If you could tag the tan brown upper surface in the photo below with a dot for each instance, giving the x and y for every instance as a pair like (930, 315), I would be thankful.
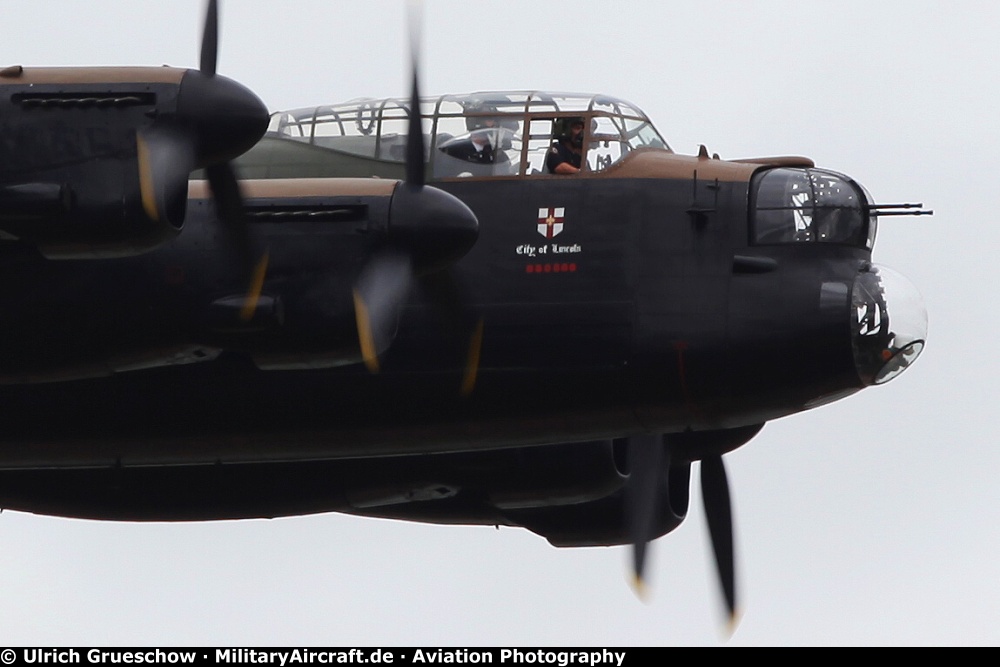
(90, 75)
(661, 164)
(304, 187)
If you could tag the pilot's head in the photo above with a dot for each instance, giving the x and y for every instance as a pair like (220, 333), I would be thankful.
(478, 122)
(573, 131)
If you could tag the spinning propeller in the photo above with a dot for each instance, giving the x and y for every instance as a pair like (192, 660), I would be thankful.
(718, 513)
(215, 121)
(429, 230)
(649, 458)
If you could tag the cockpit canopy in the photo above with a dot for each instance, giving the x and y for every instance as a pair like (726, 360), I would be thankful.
(487, 134)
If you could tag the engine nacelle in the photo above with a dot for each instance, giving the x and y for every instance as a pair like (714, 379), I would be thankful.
(94, 214)
(571, 494)
(70, 176)
(602, 522)
(94, 162)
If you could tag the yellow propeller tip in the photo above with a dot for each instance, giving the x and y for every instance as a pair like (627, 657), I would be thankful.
(365, 338)
(147, 188)
(472, 362)
(733, 623)
(640, 588)
(256, 287)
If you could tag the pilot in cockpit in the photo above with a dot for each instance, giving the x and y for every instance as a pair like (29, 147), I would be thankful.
(477, 145)
(486, 140)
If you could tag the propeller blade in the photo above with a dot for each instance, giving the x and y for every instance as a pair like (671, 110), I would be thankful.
(228, 200)
(225, 118)
(415, 170)
(718, 511)
(472, 361)
(378, 296)
(166, 158)
(229, 208)
(429, 230)
(255, 288)
(210, 39)
(645, 462)
(445, 293)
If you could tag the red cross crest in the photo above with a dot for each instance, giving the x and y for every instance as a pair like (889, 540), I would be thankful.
(550, 221)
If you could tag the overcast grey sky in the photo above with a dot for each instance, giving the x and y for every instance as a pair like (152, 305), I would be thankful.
(870, 521)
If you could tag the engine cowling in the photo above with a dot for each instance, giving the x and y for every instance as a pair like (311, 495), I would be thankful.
(601, 522)
(572, 494)
(94, 162)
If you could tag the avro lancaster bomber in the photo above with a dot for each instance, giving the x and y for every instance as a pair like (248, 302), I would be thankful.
(501, 308)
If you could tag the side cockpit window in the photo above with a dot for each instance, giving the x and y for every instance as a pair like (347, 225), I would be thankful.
(583, 143)
(808, 206)
(482, 141)
(616, 129)
(607, 145)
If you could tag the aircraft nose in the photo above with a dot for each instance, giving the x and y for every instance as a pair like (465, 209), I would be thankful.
(888, 324)
(227, 117)
(433, 226)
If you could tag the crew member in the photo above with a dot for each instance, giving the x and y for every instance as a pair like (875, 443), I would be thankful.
(566, 155)
(474, 147)
(484, 142)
